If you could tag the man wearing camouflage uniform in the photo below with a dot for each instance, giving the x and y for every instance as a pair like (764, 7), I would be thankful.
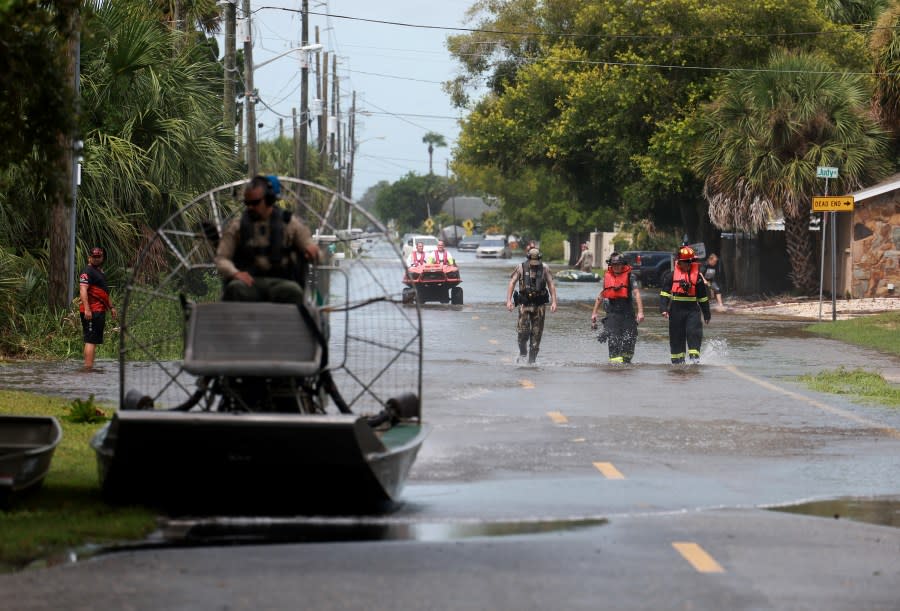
(535, 290)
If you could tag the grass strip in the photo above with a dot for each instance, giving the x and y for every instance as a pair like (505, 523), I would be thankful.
(878, 331)
(67, 511)
(859, 384)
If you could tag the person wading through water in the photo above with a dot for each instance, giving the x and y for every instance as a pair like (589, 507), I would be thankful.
(535, 290)
(618, 297)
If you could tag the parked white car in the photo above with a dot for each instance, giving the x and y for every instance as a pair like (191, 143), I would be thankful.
(429, 242)
(493, 247)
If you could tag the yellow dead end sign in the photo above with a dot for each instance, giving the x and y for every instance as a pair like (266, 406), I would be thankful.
(832, 203)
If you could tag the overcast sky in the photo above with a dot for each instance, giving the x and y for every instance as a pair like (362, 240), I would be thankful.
(395, 70)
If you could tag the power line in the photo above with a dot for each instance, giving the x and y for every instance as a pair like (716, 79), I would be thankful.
(403, 24)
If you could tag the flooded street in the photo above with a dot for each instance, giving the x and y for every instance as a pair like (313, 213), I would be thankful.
(567, 484)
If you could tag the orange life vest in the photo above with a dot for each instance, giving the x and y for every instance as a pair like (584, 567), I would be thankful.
(690, 278)
(418, 258)
(615, 286)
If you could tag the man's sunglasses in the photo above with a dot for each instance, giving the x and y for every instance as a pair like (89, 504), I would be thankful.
(254, 202)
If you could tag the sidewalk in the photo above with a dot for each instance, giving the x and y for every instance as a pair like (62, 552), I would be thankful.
(808, 309)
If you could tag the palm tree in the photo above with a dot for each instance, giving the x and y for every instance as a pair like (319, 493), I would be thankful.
(766, 133)
(433, 139)
(885, 48)
(152, 127)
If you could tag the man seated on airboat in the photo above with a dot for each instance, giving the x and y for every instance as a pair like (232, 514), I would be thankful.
(260, 254)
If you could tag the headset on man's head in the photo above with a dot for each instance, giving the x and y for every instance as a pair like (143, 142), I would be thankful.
(266, 184)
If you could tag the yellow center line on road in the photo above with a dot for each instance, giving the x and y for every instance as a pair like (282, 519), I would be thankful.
(889, 431)
(697, 556)
(494, 341)
(527, 384)
(608, 470)
(557, 417)
(476, 317)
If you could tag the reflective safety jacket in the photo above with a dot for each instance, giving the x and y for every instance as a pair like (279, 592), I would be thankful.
(684, 290)
(442, 257)
(616, 286)
(417, 258)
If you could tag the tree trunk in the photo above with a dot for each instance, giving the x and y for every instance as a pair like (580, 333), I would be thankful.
(62, 211)
(801, 253)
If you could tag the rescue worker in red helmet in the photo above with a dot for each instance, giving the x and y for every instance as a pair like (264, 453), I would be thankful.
(682, 299)
(619, 295)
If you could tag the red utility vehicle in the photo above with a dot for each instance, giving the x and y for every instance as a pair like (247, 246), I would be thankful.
(432, 282)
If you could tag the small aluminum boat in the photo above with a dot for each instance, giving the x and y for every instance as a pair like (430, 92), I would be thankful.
(27, 444)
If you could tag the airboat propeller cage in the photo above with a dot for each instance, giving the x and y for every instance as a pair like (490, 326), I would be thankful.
(176, 331)
(230, 406)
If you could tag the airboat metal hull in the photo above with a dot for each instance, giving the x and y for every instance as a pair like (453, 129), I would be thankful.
(27, 444)
(253, 464)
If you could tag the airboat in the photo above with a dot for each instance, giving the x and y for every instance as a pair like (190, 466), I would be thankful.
(262, 408)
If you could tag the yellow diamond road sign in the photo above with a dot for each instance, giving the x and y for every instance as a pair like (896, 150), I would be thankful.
(429, 224)
(833, 203)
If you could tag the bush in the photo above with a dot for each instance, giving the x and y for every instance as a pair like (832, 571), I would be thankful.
(552, 245)
(85, 412)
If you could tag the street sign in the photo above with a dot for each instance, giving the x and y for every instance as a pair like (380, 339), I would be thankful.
(826, 172)
(832, 203)
(429, 225)
(469, 225)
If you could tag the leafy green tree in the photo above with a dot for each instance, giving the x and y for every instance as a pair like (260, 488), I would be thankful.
(766, 133)
(367, 201)
(412, 199)
(37, 79)
(152, 127)
(850, 12)
(884, 45)
(602, 94)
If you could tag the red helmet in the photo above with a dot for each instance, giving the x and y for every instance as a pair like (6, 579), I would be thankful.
(686, 253)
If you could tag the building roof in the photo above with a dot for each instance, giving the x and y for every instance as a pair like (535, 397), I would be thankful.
(892, 183)
(467, 207)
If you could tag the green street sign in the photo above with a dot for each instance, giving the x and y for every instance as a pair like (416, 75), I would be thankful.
(826, 172)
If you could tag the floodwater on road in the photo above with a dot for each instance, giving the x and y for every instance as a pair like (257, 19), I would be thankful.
(483, 332)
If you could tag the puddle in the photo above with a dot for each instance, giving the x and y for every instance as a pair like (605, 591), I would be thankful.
(333, 530)
(884, 511)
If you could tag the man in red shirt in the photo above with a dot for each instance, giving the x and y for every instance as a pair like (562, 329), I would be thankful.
(94, 304)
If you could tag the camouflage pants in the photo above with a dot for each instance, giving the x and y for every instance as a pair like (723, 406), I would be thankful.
(530, 328)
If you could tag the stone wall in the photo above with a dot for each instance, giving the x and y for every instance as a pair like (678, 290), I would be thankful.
(875, 246)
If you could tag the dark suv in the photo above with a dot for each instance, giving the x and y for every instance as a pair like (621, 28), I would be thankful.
(649, 265)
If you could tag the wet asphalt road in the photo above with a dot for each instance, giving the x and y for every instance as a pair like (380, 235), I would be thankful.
(566, 485)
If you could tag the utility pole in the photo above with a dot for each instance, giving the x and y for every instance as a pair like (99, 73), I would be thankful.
(249, 93)
(323, 128)
(336, 113)
(352, 144)
(230, 68)
(304, 93)
(295, 142)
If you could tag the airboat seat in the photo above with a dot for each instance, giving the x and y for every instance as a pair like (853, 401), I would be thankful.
(251, 339)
